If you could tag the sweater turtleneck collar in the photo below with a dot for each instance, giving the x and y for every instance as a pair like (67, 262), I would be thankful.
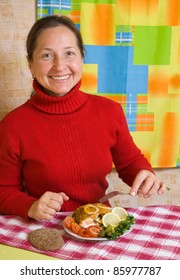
(68, 103)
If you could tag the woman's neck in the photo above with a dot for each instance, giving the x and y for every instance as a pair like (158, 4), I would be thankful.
(66, 104)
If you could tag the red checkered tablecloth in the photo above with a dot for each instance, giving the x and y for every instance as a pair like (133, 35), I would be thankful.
(155, 236)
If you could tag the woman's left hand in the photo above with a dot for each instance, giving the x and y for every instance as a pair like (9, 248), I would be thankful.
(146, 184)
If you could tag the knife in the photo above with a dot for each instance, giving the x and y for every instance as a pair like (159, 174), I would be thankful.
(110, 195)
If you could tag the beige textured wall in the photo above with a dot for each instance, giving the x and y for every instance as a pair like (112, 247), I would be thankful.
(16, 18)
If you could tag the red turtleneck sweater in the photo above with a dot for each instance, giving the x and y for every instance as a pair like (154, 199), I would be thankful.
(64, 144)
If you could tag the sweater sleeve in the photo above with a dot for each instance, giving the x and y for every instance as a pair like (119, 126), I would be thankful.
(13, 199)
(127, 157)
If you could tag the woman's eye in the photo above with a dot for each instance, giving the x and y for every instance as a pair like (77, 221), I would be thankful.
(70, 53)
(47, 56)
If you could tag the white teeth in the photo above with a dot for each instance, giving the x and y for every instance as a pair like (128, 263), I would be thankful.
(60, 77)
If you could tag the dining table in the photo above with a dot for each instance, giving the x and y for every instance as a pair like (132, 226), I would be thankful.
(155, 235)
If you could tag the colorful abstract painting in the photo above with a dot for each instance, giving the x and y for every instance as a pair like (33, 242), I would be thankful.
(133, 57)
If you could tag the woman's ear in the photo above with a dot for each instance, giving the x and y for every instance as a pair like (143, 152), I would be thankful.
(30, 67)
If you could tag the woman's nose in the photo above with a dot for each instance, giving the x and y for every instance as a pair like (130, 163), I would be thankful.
(59, 63)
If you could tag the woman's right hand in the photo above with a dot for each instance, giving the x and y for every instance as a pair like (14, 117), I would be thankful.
(47, 205)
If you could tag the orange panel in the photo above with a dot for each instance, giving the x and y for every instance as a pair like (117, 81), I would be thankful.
(158, 83)
(103, 25)
(75, 16)
(89, 80)
(174, 81)
(142, 99)
(173, 11)
(168, 141)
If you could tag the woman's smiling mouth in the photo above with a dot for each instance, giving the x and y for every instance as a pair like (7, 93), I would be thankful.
(60, 77)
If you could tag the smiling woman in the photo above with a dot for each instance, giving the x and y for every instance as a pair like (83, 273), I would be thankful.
(60, 145)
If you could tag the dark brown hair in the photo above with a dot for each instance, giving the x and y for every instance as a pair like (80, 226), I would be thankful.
(48, 22)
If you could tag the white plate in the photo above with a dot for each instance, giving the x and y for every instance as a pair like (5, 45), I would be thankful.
(92, 238)
(84, 238)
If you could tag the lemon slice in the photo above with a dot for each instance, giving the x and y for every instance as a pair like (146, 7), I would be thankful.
(110, 219)
(90, 209)
(120, 212)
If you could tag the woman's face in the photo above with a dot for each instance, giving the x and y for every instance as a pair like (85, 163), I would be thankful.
(57, 61)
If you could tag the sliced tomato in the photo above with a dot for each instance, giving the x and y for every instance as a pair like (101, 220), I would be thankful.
(83, 233)
(75, 227)
(68, 221)
(93, 231)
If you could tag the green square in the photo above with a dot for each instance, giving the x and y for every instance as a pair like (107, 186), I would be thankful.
(75, 5)
(152, 45)
(61, 12)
